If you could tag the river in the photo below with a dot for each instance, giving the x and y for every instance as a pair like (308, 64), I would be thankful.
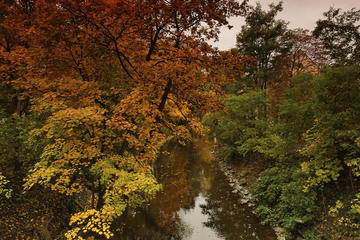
(196, 202)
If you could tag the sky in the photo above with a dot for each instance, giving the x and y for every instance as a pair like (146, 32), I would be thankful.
(299, 14)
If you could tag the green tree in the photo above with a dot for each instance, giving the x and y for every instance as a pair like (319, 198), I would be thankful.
(265, 38)
(17, 153)
(295, 117)
(330, 144)
(339, 33)
(243, 125)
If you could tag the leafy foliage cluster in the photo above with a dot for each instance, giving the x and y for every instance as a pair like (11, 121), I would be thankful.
(243, 126)
(281, 199)
(345, 215)
(4, 191)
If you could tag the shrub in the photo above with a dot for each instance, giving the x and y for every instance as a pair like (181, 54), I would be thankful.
(281, 199)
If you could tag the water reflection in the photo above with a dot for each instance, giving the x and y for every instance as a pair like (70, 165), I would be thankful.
(196, 203)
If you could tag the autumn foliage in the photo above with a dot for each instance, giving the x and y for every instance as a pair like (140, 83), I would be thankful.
(114, 79)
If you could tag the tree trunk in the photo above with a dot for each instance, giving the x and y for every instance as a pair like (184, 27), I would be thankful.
(165, 95)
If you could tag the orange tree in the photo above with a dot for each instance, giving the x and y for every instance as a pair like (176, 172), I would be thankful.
(115, 78)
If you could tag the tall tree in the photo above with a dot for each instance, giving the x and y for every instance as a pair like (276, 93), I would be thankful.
(265, 38)
(339, 32)
(114, 77)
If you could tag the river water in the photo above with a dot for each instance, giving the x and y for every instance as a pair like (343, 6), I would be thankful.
(196, 202)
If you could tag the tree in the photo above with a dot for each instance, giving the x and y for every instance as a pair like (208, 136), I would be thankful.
(114, 78)
(266, 39)
(339, 33)
(242, 126)
(307, 53)
(330, 144)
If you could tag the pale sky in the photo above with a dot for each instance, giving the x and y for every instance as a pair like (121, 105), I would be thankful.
(299, 14)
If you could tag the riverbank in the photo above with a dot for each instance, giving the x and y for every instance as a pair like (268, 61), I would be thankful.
(242, 182)
(242, 177)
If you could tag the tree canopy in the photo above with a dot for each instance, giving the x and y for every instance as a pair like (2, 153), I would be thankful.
(265, 38)
(112, 79)
(339, 32)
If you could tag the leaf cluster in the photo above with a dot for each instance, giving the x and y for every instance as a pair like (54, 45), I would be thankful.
(281, 199)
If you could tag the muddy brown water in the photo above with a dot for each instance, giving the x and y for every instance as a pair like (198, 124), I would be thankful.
(196, 202)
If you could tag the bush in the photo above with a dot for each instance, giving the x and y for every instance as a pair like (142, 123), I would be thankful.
(281, 199)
